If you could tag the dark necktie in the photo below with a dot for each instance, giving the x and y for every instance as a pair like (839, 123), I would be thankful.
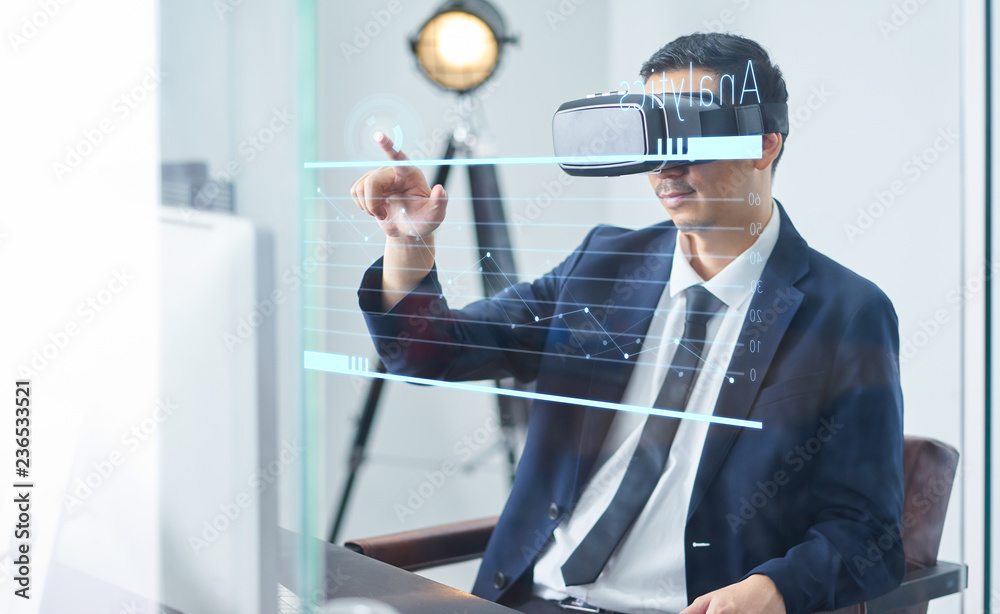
(650, 456)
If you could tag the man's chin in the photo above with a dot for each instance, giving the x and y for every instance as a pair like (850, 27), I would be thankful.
(687, 223)
(692, 228)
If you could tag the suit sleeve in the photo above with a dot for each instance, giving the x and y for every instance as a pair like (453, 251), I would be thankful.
(421, 336)
(853, 551)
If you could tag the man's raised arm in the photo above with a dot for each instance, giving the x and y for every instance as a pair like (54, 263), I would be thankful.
(408, 211)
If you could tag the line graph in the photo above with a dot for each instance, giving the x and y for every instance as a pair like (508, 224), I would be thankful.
(587, 333)
(575, 318)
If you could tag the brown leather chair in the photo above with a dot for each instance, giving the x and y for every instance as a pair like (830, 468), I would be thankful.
(929, 468)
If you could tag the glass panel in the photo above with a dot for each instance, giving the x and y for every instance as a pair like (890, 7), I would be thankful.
(871, 178)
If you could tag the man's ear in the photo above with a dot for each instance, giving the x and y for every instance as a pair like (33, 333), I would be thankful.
(771, 145)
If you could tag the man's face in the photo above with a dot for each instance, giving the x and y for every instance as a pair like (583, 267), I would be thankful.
(702, 196)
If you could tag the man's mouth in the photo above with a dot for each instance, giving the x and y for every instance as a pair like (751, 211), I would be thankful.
(674, 196)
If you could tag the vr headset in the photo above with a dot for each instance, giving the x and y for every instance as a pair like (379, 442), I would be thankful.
(616, 133)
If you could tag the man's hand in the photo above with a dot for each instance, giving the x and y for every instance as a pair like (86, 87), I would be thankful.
(754, 595)
(408, 211)
(399, 197)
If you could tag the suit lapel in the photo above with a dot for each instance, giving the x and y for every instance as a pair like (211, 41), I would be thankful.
(776, 304)
(633, 293)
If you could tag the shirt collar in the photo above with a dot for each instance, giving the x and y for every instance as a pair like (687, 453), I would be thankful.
(731, 285)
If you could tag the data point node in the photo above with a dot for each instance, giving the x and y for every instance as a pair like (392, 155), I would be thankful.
(512, 326)
(366, 238)
(586, 310)
(536, 318)
(588, 355)
(403, 211)
(450, 282)
(559, 316)
(319, 190)
(605, 342)
(488, 255)
(638, 341)
(732, 380)
(480, 269)
(626, 356)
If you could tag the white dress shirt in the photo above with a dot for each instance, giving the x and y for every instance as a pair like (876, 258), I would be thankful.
(646, 572)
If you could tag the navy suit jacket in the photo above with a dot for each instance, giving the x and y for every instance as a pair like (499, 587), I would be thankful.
(813, 500)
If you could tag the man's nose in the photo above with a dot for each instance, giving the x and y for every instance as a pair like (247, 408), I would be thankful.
(675, 172)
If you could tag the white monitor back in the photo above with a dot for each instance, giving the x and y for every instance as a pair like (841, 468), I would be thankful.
(216, 504)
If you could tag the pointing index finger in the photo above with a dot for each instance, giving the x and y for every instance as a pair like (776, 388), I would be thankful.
(388, 147)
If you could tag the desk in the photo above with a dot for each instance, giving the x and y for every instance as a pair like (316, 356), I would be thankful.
(354, 575)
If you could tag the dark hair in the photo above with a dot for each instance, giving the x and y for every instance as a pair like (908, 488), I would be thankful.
(722, 54)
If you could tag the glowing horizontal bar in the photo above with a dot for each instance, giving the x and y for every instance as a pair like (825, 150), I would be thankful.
(700, 148)
(354, 365)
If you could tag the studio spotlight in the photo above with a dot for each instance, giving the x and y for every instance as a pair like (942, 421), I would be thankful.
(460, 46)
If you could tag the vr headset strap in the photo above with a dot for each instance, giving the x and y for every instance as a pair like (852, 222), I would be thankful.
(746, 119)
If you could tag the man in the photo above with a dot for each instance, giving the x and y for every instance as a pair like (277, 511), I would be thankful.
(792, 517)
